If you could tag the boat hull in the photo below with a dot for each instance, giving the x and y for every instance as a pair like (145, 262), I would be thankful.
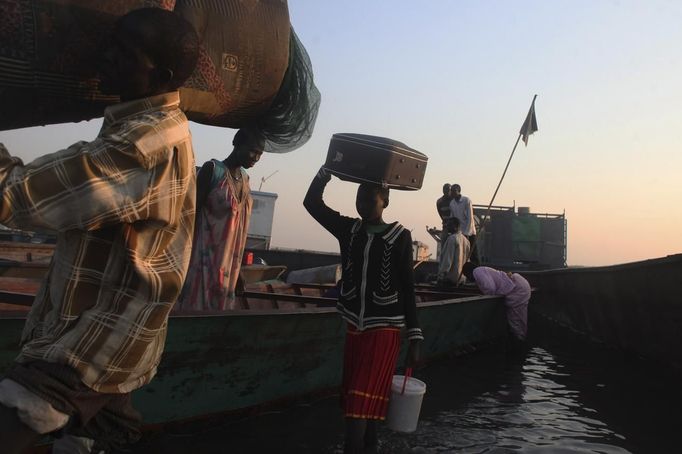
(635, 307)
(235, 362)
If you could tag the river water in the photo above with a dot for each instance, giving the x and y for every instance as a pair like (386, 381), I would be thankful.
(564, 395)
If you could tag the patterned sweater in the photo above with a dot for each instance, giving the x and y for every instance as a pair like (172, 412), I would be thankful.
(377, 278)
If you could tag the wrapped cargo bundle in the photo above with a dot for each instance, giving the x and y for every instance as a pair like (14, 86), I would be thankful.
(251, 69)
(362, 158)
(47, 53)
(289, 121)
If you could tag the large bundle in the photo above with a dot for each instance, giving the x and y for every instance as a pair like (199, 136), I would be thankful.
(246, 71)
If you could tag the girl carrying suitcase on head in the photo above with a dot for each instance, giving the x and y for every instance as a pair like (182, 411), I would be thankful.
(376, 300)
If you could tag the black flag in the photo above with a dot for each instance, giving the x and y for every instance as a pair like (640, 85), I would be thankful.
(530, 125)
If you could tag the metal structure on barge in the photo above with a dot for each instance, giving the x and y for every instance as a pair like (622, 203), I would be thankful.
(516, 238)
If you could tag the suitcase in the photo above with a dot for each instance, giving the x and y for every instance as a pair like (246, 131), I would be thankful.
(362, 158)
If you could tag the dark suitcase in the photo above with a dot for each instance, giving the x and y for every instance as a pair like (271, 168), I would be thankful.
(361, 158)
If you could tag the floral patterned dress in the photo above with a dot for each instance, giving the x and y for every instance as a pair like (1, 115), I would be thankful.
(218, 246)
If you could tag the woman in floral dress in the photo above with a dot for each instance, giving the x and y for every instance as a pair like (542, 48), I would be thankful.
(222, 222)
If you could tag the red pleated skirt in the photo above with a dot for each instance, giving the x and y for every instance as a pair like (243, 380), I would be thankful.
(368, 366)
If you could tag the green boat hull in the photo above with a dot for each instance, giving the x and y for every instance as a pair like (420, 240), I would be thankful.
(215, 364)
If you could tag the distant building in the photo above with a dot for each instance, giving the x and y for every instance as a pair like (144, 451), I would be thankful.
(262, 215)
(420, 251)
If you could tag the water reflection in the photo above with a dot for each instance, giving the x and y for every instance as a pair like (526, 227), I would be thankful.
(528, 411)
(559, 397)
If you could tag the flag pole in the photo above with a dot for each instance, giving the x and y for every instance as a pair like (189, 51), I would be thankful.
(487, 213)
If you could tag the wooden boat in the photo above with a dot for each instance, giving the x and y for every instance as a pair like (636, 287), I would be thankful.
(286, 343)
(31, 260)
(636, 307)
(24, 259)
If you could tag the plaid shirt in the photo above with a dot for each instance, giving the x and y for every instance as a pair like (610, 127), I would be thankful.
(123, 207)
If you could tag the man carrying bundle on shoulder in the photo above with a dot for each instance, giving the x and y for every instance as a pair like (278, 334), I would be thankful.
(123, 209)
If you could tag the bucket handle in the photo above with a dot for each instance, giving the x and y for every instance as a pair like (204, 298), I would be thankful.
(408, 373)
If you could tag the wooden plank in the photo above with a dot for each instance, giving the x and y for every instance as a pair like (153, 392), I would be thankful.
(20, 285)
(304, 299)
(17, 299)
(436, 295)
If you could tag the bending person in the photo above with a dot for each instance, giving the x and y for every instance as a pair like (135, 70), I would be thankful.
(515, 289)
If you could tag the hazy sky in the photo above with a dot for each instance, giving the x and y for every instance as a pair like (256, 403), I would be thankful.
(454, 80)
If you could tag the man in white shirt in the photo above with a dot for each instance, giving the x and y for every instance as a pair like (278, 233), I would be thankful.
(454, 255)
(461, 208)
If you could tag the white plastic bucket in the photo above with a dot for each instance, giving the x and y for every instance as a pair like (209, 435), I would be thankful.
(404, 408)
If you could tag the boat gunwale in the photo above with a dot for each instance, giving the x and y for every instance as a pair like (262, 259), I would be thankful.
(672, 258)
(322, 310)
(7, 315)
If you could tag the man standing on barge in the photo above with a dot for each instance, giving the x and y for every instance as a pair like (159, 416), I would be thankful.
(462, 209)
(443, 208)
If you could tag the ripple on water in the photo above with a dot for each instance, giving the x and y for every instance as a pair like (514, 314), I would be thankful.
(530, 412)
